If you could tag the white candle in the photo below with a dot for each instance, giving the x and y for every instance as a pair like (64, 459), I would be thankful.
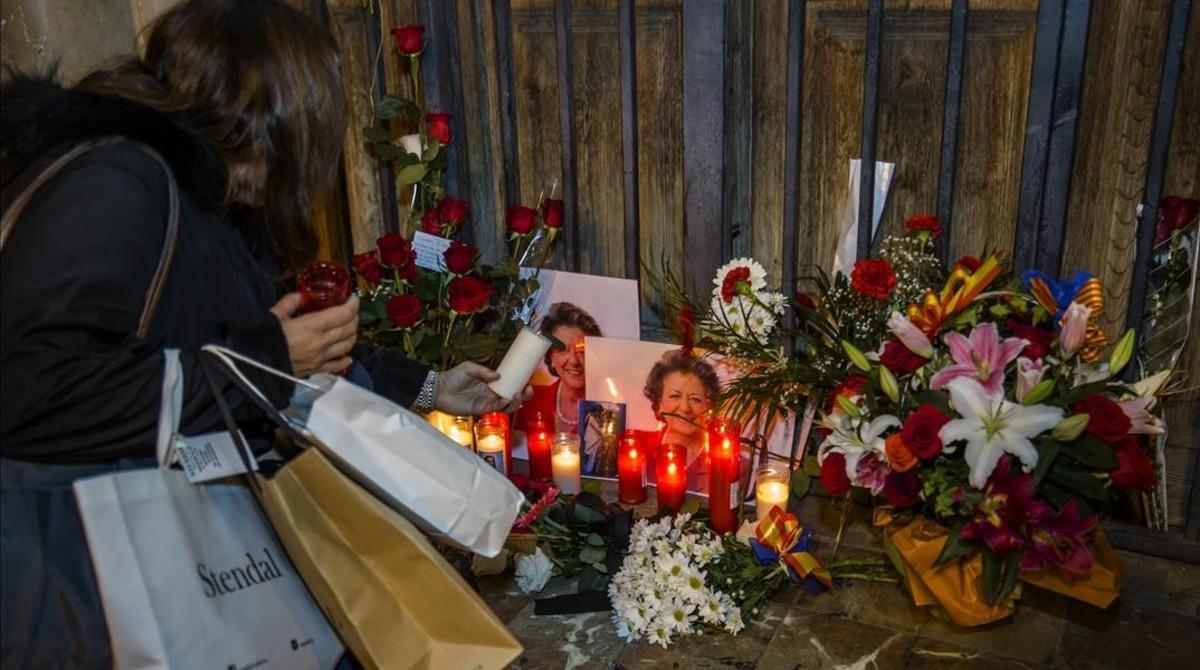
(459, 429)
(770, 494)
(519, 363)
(564, 463)
(491, 449)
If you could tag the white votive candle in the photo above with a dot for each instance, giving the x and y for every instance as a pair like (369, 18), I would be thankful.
(519, 363)
(564, 463)
(460, 430)
(771, 490)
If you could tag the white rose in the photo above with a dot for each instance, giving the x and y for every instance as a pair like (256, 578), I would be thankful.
(533, 571)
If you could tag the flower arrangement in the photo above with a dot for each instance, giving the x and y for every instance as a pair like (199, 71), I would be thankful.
(455, 309)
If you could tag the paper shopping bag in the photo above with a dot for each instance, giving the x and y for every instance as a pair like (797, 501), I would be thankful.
(393, 599)
(192, 577)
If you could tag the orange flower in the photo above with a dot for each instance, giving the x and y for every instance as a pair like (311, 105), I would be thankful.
(899, 455)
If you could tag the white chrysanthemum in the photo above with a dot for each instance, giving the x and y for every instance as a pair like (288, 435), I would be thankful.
(659, 635)
(679, 615)
(750, 318)
(692, 587)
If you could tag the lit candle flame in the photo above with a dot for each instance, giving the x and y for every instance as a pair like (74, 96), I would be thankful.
(671, 469)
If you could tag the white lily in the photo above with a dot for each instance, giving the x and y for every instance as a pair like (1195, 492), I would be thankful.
(993, 426)
(853, 439)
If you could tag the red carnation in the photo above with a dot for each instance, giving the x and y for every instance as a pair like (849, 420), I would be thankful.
(431, 222)
(1134, 469)
(439, 127)
(521, 219)
(833, 474)
(1107, 420)
(729, 286)
(469, 295)
(460, 257)
(902, 489)
(925, 222)
(394, 249)
(873, 278)
(404, 310)
(899, 359)
(552, 213)
(921, 429)
(410, 39)
(969, 263)
(367, 266)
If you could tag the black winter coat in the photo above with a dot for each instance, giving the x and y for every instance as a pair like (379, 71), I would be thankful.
(76, 384)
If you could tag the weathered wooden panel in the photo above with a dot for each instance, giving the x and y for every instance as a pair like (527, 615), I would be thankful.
(768, 131)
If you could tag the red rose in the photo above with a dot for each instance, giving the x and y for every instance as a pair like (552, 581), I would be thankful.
(439, 127)
(1134, 469)
(833, 474)
(521, 219)
(925, 222)
(1039, 339)
(452, 211)
(394, 249)
(873, 278)
(469, 295)
(921, 431)
(460, 257)
(410, 39)
(902, 489)
(850, 387)
(431, 222)
(1178, 212)
(367, 266)
(404, 310)
(899, 359)
(1108, 421)
(552, 213)
(968, 263)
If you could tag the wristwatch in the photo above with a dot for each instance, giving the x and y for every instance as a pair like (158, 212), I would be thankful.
(428, 395)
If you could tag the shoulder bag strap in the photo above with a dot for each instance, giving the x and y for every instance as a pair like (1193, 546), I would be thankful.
(159, 280)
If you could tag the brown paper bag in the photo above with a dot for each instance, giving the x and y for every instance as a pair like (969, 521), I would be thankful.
(393, 599)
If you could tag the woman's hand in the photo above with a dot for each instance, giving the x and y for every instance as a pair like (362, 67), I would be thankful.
(318, 341)
(464, 390)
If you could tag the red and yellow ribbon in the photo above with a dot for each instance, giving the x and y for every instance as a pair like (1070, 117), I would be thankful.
(1090, 295)
(780, 532)
(962, 287)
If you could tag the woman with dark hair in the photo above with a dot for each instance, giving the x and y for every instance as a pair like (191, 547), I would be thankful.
(681, 390)
(159, 204)
(569, 324)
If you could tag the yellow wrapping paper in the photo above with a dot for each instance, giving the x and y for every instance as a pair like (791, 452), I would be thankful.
(1100, 587)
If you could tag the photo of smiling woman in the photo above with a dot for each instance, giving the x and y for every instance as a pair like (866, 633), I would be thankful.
(568, 324)
(682, 390)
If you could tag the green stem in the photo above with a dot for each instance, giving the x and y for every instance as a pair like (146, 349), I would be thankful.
(837, 542)
(449, 329)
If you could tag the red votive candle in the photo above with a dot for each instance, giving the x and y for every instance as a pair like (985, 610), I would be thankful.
(540, 435)
(671, 475)
(724, 439)
(631, 470)
(322, 284)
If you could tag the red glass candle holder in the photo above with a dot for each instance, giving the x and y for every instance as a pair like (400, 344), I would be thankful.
(631, 469)
(539, 433)
(322, 284)
(671, 477)
(492, 441)
(724, 449)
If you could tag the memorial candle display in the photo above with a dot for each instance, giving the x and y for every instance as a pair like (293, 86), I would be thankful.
(671, 477)
(724, 449)
(321, 285)
(519, 363)
(771, 489)
(631, 470)
(491, 440)
(539, 434)
(461, 429)
(564, 463)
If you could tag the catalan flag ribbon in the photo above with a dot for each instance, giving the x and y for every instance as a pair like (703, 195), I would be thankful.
(962, 287)
(783, 539)
(1055, 296)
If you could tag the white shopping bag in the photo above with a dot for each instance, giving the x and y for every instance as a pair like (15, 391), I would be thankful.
(410, 466)
(191, 576)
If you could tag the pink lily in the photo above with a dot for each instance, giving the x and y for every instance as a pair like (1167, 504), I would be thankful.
(1056, 539)
(1074, 329)
(1138, 411)
(982, 357)
(910, 336)
(1029, 375)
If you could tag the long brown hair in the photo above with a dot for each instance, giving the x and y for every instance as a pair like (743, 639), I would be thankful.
(259, 81)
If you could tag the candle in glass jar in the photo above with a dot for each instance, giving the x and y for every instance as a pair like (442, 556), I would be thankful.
(322, 285)
(539, 431)
(491, 440)
(461, 430)
(631, 470)
(724, 441)
(564, 463)
(671, 477)
(519, 363)
(771, 489)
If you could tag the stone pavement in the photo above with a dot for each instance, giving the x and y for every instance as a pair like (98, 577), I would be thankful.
(866, 626)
